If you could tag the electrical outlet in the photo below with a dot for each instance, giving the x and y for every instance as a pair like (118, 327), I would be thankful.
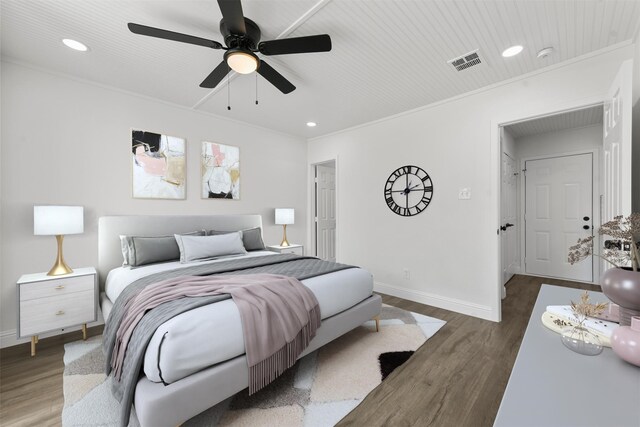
(464, 194)
(407, 274)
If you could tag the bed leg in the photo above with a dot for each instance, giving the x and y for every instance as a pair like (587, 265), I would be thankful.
(377, 319)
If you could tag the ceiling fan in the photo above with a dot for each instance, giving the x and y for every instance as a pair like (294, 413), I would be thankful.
(242, 40)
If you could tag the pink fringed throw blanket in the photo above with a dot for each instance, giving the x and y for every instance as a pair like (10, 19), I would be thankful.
(279, 316)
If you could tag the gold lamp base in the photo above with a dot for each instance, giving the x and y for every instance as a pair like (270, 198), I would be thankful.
(60, 267)
(284, 242)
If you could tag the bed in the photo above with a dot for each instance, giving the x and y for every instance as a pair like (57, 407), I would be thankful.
(176, 387)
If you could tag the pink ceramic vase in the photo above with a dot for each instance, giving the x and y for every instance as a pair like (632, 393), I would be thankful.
(622, 286)
(625, 341)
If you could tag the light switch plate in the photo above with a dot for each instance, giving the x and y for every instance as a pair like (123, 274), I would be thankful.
(464, 194)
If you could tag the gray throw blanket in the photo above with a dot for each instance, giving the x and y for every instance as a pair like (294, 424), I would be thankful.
(279, 317)
(284, 264)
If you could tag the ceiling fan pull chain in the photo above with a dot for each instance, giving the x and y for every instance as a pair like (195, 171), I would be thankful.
(256, 88)
(228, 90)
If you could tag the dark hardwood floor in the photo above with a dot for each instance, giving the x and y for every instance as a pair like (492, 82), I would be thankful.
(456, 379)
(31, 387)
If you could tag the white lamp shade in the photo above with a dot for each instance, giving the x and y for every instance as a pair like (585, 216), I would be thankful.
(55, 220)
(285, 216)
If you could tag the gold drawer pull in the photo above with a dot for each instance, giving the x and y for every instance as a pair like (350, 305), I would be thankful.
(60, 313)
(60, 287)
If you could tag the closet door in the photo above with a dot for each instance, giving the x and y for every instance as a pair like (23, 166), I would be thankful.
(616, 147)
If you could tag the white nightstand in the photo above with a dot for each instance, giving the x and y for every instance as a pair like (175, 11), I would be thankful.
(291, 249)
(47, 303)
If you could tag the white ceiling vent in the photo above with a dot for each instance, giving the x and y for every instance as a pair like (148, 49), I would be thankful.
(465, 61)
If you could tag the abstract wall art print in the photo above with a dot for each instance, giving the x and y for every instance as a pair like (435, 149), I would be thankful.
(220, 171)
(159, 165)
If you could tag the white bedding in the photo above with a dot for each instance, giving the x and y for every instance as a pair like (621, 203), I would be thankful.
(212, 334)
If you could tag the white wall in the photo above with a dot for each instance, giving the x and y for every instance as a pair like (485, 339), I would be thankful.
(68, 142)
(509, 143)
(561, 142)
(451, 249)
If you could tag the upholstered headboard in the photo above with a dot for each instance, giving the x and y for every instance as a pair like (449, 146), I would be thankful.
(111, 227)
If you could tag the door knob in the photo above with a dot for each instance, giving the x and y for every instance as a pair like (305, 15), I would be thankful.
(586, 227)
(586, 218)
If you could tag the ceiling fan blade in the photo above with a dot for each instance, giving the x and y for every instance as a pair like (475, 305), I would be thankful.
(275, 78)
(171, 35)
(319, 43)
(216, 76)
(233, 16)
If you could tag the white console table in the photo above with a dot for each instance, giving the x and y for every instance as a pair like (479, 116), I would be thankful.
(551, 385)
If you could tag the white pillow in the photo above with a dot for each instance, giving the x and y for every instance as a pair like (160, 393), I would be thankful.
(200, 247)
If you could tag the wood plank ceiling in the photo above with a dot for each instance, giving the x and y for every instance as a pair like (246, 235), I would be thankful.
(388, 56)
(570, 120)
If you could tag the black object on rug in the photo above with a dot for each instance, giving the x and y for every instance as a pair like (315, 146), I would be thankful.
(391, 360)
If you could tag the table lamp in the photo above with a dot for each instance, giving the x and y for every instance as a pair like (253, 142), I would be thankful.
(285, 216)
(58, 221)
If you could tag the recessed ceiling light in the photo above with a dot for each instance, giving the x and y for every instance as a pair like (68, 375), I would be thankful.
(512, 51)
(312, 124)
(75, 45)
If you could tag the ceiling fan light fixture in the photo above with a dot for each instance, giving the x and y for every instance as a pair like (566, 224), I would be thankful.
(241, 61)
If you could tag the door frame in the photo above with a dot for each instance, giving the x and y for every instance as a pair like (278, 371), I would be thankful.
(595, 205)
(507, 118)
(311, 220)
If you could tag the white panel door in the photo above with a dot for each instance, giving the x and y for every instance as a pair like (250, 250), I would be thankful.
(617, 148)
(558, 211)
(326, 212)
(509, 229)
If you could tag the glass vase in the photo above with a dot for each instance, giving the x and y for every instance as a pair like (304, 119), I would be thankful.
(581, 340)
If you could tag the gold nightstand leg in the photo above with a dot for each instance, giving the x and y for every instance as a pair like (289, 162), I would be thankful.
(34, 341)
(377, 319)
(84, 331)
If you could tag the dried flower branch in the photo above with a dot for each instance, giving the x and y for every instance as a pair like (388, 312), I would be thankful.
(585, 309)
(626, 230)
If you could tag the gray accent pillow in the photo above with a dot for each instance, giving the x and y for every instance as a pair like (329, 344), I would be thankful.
(143, 250)
(251, 238)
(193, 248)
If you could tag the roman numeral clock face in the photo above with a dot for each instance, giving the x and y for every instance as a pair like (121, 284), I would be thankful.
(408, 190)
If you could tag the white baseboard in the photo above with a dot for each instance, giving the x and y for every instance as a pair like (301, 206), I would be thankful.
(8, 338)
(595, 282)
(451, 304)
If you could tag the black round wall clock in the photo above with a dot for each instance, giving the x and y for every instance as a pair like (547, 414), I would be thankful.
(408, 190)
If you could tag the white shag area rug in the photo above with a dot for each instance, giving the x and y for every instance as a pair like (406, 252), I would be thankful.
(318, 391)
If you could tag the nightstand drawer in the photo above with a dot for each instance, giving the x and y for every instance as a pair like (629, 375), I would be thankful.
(291, 251)
(56, 287)
(45, 314)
